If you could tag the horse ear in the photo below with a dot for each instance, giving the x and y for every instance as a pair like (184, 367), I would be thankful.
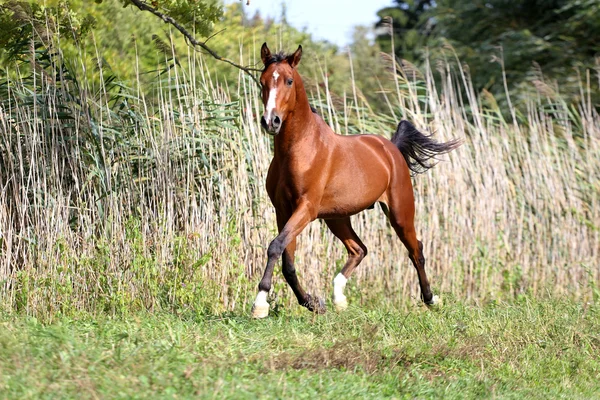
(294, 59)
(265, 53)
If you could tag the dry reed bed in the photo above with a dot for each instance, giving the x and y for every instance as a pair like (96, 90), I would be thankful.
(174, 213)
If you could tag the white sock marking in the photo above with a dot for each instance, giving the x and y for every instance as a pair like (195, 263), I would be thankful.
(260, 308)
(261, 298)
(339, 283)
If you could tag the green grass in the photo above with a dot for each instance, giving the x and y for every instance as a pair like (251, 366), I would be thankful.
(529, 348)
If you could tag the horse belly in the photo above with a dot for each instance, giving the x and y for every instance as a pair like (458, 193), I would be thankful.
(349, 199)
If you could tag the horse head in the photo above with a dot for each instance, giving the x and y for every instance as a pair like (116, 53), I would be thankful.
(278, 87)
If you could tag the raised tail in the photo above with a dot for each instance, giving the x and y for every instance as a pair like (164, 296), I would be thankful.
(418, 149)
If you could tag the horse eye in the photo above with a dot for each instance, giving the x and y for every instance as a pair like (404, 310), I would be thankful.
(290, 81)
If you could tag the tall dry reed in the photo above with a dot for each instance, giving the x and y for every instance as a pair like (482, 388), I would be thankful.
(115, 200)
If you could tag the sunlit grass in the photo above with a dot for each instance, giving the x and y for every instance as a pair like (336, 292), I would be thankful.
(530, 348)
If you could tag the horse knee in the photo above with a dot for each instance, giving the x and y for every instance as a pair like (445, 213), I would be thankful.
(275, 248)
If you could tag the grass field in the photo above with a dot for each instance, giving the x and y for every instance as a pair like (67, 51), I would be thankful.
(525, 349)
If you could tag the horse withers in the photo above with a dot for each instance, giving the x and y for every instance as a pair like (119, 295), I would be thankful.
(316, 173)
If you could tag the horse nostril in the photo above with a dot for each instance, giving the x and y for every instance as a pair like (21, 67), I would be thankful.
(276, 121)
(263, 122)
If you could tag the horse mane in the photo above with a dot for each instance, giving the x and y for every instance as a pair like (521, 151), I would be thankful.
(276, 58)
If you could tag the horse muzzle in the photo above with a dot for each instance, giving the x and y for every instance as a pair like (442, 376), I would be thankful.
(272, 125)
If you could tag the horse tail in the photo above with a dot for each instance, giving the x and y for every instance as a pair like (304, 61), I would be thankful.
(418, 149)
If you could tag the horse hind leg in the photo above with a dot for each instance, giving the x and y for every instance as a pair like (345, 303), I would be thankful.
(342, 229)
(402, 220)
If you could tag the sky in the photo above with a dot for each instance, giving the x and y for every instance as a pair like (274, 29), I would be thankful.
(331, 20)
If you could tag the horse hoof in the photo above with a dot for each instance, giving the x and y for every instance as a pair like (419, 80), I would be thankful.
(315, 304)
(340, 304)
(260, 310)
(434, 302)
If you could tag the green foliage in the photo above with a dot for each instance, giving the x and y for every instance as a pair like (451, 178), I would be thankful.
(24, 21)
(408, 25)
(557, 35)
(196, 15)
(118, 36)
(104, 35)
(534, 41)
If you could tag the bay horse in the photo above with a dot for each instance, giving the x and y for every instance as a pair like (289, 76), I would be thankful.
(316, 173)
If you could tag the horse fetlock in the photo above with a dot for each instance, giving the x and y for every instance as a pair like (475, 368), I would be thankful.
(434, 302)
(260, 308)
(315, 304)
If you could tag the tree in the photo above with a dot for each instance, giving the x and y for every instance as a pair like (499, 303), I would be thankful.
(183, 14)
(410, 25)
(557, 35)
(20, 20)
(525, 37)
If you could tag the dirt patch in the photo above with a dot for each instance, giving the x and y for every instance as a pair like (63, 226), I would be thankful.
(474, 348)
(342, 356)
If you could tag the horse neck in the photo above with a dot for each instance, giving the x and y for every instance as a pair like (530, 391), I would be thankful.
(300, 123)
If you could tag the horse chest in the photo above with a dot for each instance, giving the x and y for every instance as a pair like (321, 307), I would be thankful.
(292, 179)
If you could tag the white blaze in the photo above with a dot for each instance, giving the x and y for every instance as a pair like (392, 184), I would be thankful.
(271, 103)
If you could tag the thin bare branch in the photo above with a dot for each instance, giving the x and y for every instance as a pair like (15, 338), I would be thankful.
(143, 6)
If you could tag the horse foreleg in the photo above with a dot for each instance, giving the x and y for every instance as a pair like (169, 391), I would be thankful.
(292, 228)
(289, 272)
(287, 263)
(342, 229)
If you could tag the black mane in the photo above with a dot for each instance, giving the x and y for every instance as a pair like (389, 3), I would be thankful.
(275, 58)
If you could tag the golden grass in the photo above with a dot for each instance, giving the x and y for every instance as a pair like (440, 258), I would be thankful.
(169, 207)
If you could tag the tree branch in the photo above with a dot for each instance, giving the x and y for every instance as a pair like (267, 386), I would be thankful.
(143, 6)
